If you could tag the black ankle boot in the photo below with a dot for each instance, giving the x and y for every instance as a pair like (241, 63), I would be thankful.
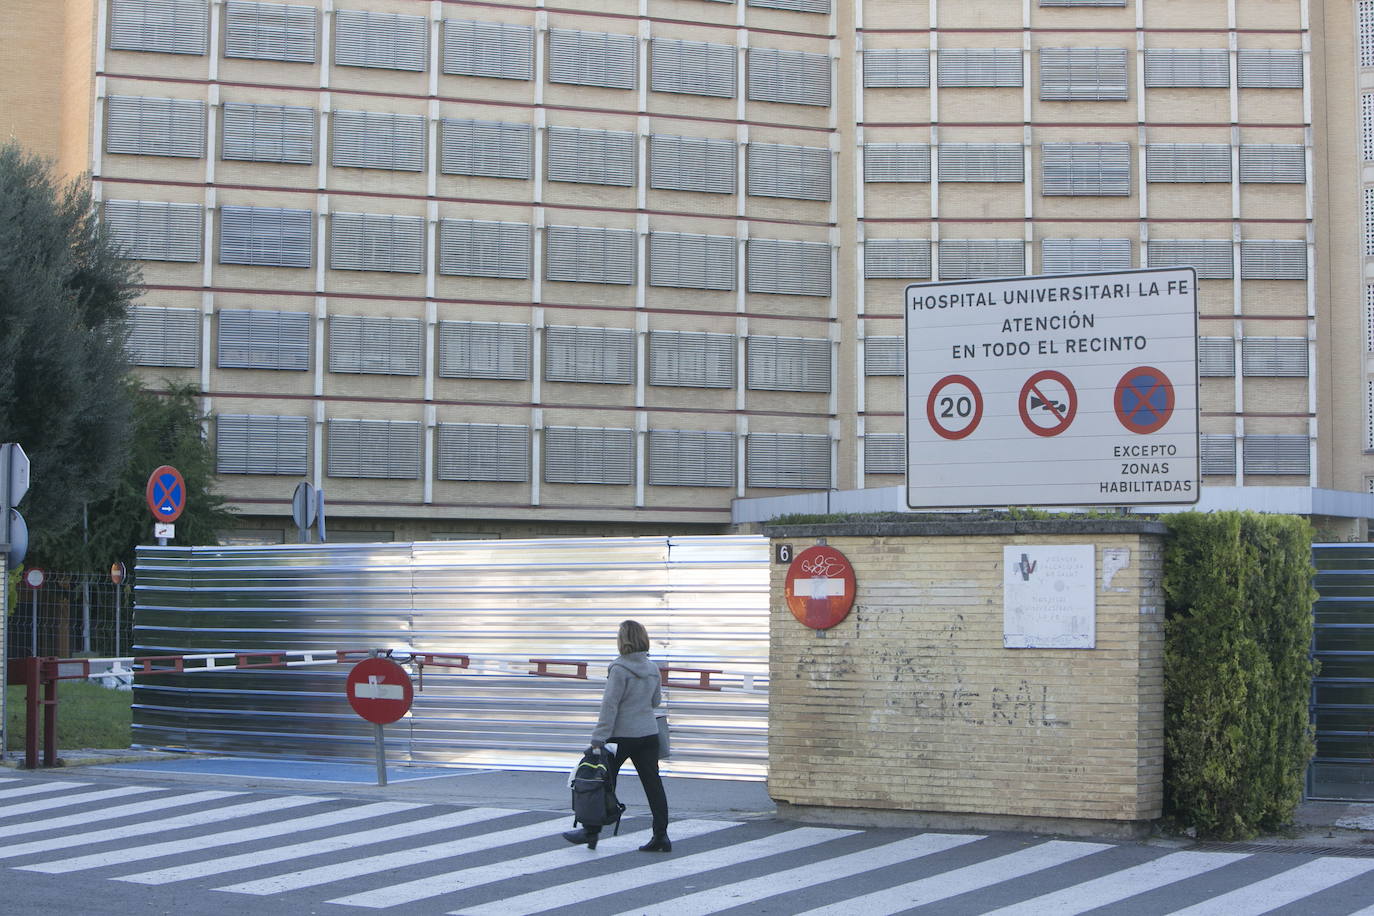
(580, 836)
(659, 843)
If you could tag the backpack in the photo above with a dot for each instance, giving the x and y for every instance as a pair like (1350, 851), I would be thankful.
(593, 797)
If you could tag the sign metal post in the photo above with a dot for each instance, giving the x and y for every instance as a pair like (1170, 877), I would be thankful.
(380, 691)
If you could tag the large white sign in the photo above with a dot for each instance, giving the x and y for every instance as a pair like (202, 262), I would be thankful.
(1073, 390)
(1048, 600)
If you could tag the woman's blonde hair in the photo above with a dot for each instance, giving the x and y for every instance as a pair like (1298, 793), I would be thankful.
(632, 637)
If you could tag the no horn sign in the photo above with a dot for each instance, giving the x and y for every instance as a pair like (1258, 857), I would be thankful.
(1069, 390)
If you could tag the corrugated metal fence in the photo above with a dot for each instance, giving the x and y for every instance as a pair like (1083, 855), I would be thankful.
(1343, 690)
(704, 601)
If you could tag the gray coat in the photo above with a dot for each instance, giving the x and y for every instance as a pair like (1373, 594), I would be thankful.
(632, 692)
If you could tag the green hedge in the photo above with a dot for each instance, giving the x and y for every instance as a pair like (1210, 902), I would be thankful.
(1237, 671)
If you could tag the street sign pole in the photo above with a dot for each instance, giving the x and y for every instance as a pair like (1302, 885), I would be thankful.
(379, 739)
(14, 540)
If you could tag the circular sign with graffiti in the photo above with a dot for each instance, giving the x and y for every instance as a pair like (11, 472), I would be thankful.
(820, 587)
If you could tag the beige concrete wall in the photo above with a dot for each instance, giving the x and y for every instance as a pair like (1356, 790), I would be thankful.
(911, 711)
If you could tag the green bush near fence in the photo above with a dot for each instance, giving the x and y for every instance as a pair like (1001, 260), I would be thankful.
(1237, 671)
(88, 716)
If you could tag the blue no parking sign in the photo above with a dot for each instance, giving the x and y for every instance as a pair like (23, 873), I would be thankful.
(166, 493)
(1144, 400)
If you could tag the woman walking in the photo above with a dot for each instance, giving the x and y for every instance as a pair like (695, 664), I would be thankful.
(627, 720)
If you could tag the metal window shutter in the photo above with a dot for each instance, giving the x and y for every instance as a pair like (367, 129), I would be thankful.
(372, 140)
(592, 58)
(897, 259)
(1187, 68)
(1282, 163)
(692, 261)
(1367, 127)
(1280, 357)
(163, 336)
(261, 444)
(793, 77)
(885, 453)
(693, 68)
(1273, 259)
(591, 156)
(1277, 455)
(788, 363)
(375, 345)
(1269, 68)
(262, 339)
(796, 6)
(589, 254)
(603, 356)
(1211, 257)
(1068, 256)
(482, 451)
(498, 50)
(896, 68)
(1086, 169)
(691, 458)
(1188, 162)
(265, 236)
(483, 248)
(979, 67)
(166, 26)
(982, 162)
(146, 126)
(885, 355)
(374, 241)
(149, 230)
(1083, 74)
(1365, 28)
(781, 170)
(586, 454)
(268, 133)
(691, 359)
(374, 448)
(896, 162)
(1216, 357)
(389, 41)
(484, 349)
(972, 259)
(791, 461)
(1218, 454)
(691, 164)
(492, 148)
(1082, 2)
(270, 31)
(788, 268)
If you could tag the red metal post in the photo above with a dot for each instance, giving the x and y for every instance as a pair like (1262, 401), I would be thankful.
(50, 722)
(31, 713)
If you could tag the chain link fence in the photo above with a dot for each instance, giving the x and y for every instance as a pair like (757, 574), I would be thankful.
(72, 614)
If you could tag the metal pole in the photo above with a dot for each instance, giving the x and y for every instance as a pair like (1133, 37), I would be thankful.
(4, 648)
(33, 649)
(119, 597)
(86, 614)
(381, 755)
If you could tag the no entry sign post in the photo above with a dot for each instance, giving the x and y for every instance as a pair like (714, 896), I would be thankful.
(380, 691)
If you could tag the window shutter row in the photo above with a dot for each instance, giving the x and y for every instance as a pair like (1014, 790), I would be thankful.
(163, 336)
(1068, 256)
(1211, 257)
(484, 349)
(692, 164)
(1086, 169)
(1216, 358)
(373, 140)
(166, 26)
(268, 133)
(897, 259)
(1273, 259)
(789, 268)
(896, 162)
(976, 259)
(591, 156)
(1218, 454)
(690, 261)
(1367, 127)
(1283, 357)
(482, 451)
(493, 49)
(691, 359)
(592, 58)
(495, 149)
(261, 444)
(1082, 2)
(587, 454)
(150, 230)
(588, 254)
(1277, 455)
(270, 31)
(265, 236)
(484, 248)
(148, 126)
(581, 354)
(375, 345)
(979, 67)
(896, 68)
(263, 339)
(1188, 162)
(389, 41)
(387, 449)
(1281, 163)
(1187, 68)
(788, 363)
(691, 458)
(693, 68)
(885, 453)
(1269, 68)
(780, 170)
(982, 162)
(798, 6)
(374, 241)
(1082, 74)
(885, 355)
(793, 77)
(787, 460)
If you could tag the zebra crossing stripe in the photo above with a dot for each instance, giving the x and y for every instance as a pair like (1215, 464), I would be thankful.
(663, 870)
(433, 886)
(38, 788)
(1121, 884)
(339, 871)
(1284, 888)
(961, 880)
(1367, 911)
(105, 814)
(196, 819)
(782, 882)
(215, 840)
(219, 866)
(66, 801)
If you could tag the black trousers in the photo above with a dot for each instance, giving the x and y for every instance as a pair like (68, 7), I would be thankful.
(643, 753)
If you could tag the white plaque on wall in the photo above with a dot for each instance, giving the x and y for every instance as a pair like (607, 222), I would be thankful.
(1048, 597)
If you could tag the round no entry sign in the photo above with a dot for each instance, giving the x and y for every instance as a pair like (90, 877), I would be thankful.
(379, 690)
(820, 587)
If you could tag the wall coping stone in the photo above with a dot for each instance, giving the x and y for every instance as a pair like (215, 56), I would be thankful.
(945, 527)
